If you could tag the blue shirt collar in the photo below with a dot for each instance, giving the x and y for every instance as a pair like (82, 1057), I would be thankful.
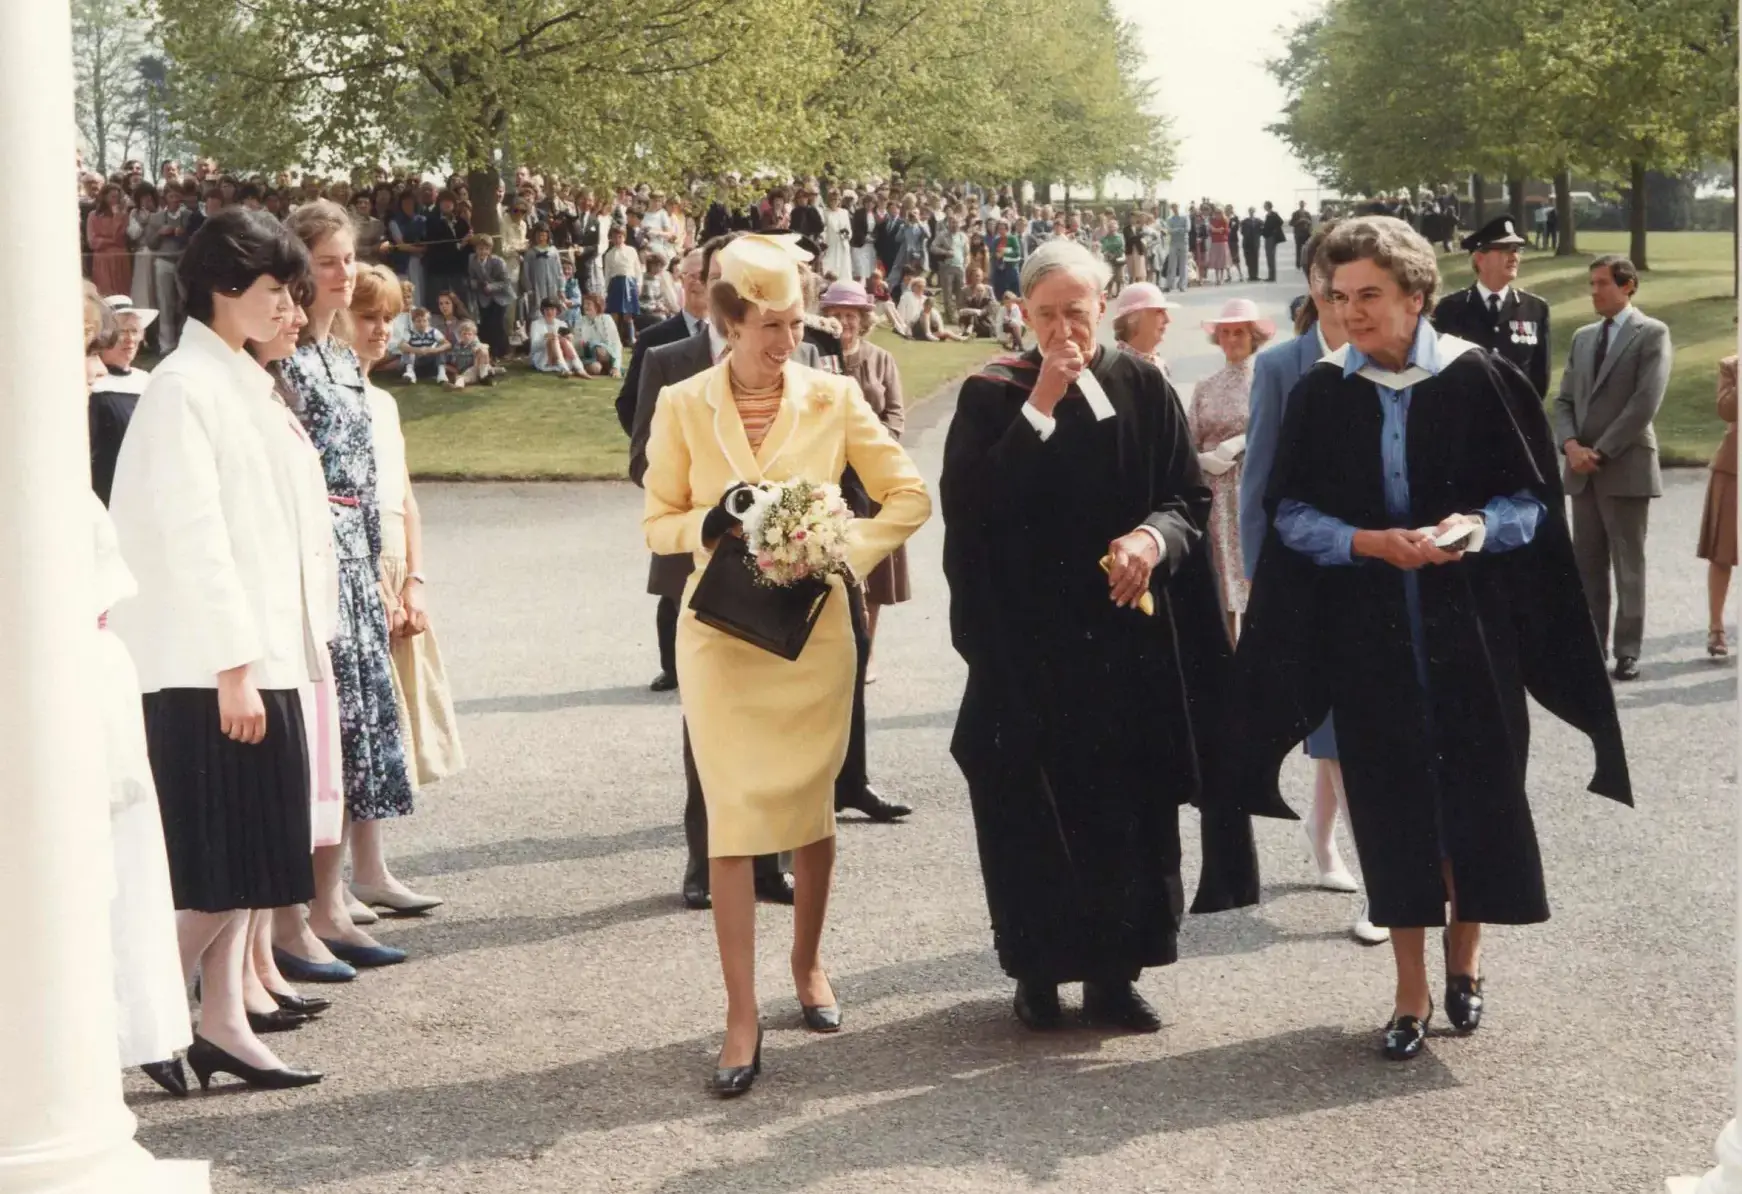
(1424, 353)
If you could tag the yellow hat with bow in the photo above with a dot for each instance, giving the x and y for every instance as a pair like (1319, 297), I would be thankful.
(764, 270)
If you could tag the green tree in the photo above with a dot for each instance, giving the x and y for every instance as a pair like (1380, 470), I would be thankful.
(108, 42)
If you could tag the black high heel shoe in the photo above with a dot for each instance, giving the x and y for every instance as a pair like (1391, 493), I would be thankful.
(825, 1018)
(731, 1081)
(1405, 1036)
(276, 1020)
(169, 1075)
(307, 1005)
(206, 1059)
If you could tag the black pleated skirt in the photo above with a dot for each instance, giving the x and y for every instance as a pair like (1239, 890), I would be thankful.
(235, 817)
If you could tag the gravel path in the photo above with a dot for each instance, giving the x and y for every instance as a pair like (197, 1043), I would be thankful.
(554, 1027)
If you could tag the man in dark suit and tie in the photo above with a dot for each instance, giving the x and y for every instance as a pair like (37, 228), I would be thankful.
(666, 365)
(1493, 312)
(1617, 371)
(1251, 232)
(1274, 234)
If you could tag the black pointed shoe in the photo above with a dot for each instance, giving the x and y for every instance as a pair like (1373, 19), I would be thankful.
(731, 1081)
(775, 889)
(823, 1018)
(207, 1060)
(169, 1075)
(1037, 1005)
(664, 682)
(276, 1020)
(1464, 1002)
(1405, 1036)
(1118, 1005)
(308, 1005)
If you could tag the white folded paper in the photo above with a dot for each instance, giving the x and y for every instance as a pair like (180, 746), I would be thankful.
(1214, 463)
(1232, 449)
(1477, 532)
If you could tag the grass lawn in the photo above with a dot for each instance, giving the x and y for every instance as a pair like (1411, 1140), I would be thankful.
(1688, 287)
(530, 426)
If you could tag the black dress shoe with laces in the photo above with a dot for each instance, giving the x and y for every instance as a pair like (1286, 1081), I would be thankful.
(1118, 1005)
(696, 897)
(1037, 1005)
(664, 682)
(1626, 667)
(874, 806)
(1405, 1036)
(775, 889)
(1464, 1002)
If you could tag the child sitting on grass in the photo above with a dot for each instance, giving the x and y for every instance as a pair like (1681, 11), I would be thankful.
(1010, 325)
(551, 350)
(424, 349)
(469, 359)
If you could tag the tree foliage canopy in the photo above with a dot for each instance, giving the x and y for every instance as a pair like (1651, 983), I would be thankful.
(668, 89)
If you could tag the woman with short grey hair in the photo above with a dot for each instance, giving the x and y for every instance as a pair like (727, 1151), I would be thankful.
(1393, 246)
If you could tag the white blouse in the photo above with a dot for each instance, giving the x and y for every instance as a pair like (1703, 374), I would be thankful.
(391, 478)
(220, 510)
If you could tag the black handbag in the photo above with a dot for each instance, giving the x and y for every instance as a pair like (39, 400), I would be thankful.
(777, 618)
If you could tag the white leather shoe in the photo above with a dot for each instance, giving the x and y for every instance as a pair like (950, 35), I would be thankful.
(360, 913)
(1366, 932)
(408, 901)
(1333, 875)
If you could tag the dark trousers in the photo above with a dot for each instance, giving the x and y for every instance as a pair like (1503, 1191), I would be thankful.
(848, 785)
(1300, 254)
(1251, 262)
(493, 331)
(665, 628)
(1270, 260)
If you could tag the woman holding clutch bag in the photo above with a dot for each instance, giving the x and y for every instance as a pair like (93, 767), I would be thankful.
(769, 735)
(1218, 423)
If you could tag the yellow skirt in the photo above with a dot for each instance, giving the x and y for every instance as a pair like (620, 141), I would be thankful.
(420, 692)
(769, 735)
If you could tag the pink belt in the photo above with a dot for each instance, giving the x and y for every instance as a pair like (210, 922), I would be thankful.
(343, 501)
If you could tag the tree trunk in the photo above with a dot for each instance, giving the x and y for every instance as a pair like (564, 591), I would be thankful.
(481, 182)
(1479, 204)
(1043, 193)
(1515, 193)
(1636, 215)
(1563, 206)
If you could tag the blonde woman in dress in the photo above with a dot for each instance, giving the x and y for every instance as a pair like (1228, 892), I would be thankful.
(769, 735)
(420, 681)
(1217, 419)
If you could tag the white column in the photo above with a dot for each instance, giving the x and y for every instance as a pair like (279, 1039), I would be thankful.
(63, 1126)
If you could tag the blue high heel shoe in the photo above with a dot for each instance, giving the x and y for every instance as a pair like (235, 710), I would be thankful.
(301, 970)
(364, 957)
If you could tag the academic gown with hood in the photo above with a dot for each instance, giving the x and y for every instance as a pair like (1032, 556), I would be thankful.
(1435, 773)
(1085, 726)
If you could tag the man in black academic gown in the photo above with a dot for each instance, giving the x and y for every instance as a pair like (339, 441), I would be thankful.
(1493, 312)
(1087, 720)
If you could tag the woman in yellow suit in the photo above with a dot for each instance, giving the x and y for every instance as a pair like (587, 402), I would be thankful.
(769, 735)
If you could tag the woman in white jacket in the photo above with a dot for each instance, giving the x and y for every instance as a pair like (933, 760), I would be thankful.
(215, 500)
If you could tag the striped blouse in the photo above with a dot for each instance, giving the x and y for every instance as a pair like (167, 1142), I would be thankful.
(757, 412)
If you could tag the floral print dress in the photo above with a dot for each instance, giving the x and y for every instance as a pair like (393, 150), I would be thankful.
(1219, 411)
(334, 408)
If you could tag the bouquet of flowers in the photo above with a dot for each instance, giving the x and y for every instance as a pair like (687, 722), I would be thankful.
(796, 530)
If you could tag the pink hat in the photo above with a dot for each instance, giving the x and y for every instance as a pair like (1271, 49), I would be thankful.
(846, 293)
(1241, 311)
(1140, 296)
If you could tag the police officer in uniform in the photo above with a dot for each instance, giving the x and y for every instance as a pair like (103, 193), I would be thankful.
(1494, 313)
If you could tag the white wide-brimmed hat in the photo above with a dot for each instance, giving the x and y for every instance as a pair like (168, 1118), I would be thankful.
(1241, 311)
(122, 304)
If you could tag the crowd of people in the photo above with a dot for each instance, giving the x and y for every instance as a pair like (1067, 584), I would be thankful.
(279, 696)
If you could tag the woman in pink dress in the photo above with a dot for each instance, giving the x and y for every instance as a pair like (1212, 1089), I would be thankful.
(106, 229)
(1217, 419)
(1218, 260)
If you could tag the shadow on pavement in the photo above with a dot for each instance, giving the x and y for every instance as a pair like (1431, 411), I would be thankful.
(964, 1084)
(550, 702)
(1712, 692)
(445, 938)
(528, 851)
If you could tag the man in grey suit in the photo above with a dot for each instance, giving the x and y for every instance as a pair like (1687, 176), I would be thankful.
(1614, 382)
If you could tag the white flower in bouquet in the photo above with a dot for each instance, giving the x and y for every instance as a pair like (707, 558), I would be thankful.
(797, 529)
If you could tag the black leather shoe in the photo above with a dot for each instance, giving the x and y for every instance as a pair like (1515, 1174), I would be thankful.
(276, 1020)
(1118, 1005)
(664, 682)
(696, 897)
(822, 1018)
(776, 889)
(207, 1060)
(1037, 1005)
(1405, 1036)
(1626, 667)
(308, 1005)
(731, 1081)
(1464, 1002)
(169, 1075)
(874, 807)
